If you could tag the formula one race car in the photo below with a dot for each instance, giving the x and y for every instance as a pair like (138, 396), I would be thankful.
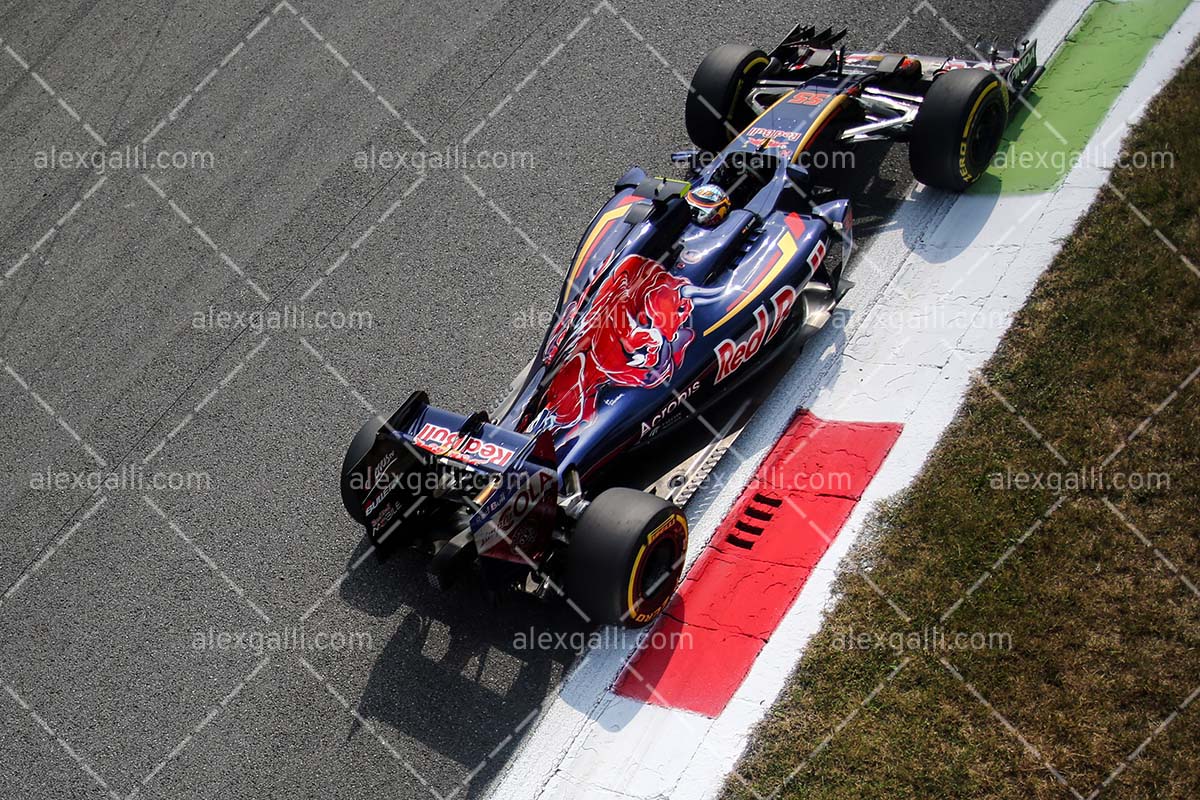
(678, 291)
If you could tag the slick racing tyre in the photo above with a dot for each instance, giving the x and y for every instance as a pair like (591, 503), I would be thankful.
(626, 557)
(351, 496)
(958, 129)
(716, 109)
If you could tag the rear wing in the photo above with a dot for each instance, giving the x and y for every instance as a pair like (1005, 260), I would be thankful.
(425, 458)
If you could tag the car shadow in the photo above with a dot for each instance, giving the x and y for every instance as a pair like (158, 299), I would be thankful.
(878, 190)
(874, 185)
(464, 673)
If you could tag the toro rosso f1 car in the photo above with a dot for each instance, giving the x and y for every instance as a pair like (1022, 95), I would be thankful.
(678, 291)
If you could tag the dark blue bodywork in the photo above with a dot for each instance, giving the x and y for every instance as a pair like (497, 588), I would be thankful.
(774, 242)
(658, 318)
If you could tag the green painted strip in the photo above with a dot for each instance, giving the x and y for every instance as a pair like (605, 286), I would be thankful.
(1096, 62)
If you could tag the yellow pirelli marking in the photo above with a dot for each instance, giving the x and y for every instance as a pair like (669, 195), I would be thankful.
(962, 148)
(637, 615)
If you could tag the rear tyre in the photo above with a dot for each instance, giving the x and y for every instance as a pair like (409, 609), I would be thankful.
(958, 129)
(352, 495)
(716, 109)
(626, 557)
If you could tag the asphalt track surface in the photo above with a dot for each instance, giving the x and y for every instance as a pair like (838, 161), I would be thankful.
(110, 682)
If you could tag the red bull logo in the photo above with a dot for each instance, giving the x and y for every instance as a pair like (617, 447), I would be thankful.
(731, 354)
(634, 334)
(471, 449)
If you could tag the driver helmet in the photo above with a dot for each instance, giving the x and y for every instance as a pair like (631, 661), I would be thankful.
(710, 204)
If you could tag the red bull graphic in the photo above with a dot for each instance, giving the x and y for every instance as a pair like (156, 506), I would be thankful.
(732, 355)
(470, 449)
(764, 138)
(633, 333)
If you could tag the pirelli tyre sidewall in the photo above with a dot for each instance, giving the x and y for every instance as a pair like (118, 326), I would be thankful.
(958, 128)
(626, 557)
(716, 108)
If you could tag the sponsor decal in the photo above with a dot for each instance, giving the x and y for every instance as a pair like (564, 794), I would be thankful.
(1025, 63)
(650, 428)
(470, 449)
(514, 526)
(690, 256)
(387, 489)
(817, 255)
(384, 464)
(385, 516)
(731, 355)
(774, 138)
(774, 133)
(379, 478)
(808, 98)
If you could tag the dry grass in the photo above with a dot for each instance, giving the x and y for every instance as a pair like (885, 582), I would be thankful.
(1105, 636)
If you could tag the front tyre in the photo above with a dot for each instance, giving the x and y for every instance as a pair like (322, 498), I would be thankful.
(958, 129)
(626, 557)
(716, 110)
